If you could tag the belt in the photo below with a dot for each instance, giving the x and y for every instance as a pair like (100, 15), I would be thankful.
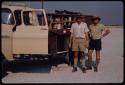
(79, 38)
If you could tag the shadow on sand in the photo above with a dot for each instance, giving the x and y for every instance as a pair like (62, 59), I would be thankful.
(38, 66)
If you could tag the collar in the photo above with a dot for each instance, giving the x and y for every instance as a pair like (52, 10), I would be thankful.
(96, 24)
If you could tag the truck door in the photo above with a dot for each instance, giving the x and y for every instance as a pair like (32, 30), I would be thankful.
(7, 24)
(31, 37)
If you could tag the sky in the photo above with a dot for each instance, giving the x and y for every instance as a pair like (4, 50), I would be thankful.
(111, 12)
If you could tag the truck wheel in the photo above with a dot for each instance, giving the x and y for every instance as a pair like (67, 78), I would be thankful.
(6, 66)
(63, 58)
(4, 70)
(67, 59)
(50, 60)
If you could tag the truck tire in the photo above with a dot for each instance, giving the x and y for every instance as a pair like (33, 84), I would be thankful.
(6, 66)
(4, 71)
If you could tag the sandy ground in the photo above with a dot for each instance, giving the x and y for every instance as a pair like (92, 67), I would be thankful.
(110, 68)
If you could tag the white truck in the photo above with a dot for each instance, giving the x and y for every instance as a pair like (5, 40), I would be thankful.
(24, 34)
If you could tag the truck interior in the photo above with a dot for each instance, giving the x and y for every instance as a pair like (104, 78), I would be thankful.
(59, 31)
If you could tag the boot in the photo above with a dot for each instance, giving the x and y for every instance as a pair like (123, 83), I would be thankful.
(74, 69)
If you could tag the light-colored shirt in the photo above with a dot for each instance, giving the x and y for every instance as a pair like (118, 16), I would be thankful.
(79, 30)
(96, 31)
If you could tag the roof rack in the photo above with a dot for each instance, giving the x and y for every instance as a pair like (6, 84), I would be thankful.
(67, 12)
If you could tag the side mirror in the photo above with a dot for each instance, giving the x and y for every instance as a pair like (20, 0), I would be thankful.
(14, 28)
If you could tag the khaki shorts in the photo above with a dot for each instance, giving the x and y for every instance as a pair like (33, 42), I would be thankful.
(79, 44)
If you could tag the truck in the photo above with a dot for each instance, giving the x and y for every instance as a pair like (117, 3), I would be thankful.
(25, 34)
(22, 33)
(28, 33)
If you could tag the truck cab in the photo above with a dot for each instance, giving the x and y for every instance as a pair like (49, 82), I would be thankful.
(23, 33)
(31, 33)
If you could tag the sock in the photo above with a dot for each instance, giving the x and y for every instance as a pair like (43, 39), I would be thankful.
(97, 61)
(83, 62)
(89, 62)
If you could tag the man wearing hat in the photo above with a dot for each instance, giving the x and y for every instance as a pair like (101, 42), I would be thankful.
(78, 39)
(97, 32)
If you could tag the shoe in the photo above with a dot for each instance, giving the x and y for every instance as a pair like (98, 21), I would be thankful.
(84, 70)
(89, 68)
(95, 69)
(74, 69)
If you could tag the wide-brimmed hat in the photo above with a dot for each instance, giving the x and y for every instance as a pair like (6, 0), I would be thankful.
(96, 18)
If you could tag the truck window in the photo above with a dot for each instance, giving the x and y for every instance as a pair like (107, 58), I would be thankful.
(33, 18)
(7, 17)
(17, 14)
(41, 18)
(26, 18)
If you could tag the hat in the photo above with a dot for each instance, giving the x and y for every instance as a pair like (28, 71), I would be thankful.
(95, 18)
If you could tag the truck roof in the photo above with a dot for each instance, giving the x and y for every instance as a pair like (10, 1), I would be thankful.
(16, 7)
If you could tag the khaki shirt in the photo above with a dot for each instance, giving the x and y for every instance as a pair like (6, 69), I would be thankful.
(96, 31)
(79, 30)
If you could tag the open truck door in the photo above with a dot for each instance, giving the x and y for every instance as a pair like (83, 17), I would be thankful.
(7, 24)
(31, 37)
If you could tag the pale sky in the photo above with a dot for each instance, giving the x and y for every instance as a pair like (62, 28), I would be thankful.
(111, 12)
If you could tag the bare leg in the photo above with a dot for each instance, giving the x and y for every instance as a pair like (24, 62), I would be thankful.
(89, 57)
(83, 62)
(83, 59)
(97, 57)
(75, 61)
(75, 58)
(97, 61)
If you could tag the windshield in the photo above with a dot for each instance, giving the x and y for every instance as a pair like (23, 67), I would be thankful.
(7, 17)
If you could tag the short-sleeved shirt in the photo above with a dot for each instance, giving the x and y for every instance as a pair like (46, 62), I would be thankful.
(96, 31)
(79, 30)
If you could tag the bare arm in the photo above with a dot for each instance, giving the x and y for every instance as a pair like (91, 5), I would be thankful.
(106, 32)
(87, 32)
(70, 40)
(87, 37)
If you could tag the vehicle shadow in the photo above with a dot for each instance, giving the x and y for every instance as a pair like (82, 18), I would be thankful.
(36, 66)
(33, 66)
(29, 66)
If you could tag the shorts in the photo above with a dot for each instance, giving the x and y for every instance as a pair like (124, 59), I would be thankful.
(78, 44)
(95, 44)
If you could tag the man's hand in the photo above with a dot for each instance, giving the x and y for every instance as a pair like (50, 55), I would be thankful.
(87, 39)
(70, 40)
(70, 45)
(87, 43)
(107, 31)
